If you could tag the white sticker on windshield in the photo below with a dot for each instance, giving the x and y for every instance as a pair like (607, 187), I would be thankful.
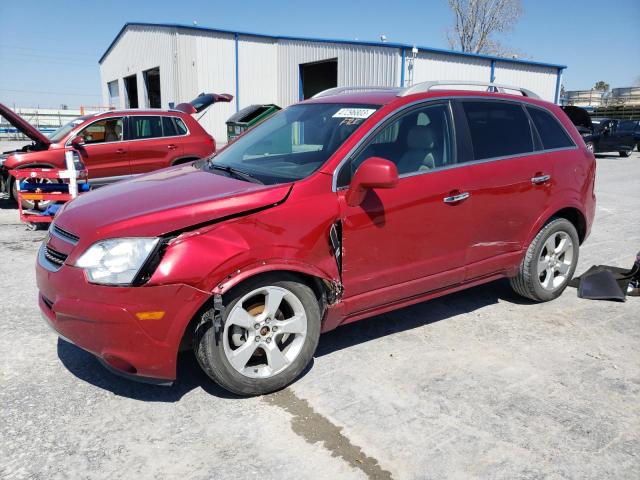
(354, 113)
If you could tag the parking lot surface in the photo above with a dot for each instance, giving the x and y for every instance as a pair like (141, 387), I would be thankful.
(478, 384)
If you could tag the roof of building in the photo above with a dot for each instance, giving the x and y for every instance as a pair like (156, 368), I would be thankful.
(326, 40)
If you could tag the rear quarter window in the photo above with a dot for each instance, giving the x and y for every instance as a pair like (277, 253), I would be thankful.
(551, 132)
(497, 129)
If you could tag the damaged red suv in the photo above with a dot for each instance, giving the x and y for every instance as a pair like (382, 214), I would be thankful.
(342, 207)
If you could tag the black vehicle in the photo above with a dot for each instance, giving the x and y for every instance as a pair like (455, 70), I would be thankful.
(632, 126)
(602, 134)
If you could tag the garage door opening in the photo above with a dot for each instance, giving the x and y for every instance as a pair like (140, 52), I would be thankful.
(318, 76)
(131, 92)
(152, 84)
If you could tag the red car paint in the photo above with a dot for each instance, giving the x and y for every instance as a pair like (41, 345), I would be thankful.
(114, 160)
(399, 247)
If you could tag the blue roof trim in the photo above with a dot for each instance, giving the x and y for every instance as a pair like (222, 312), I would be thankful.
(326, 40)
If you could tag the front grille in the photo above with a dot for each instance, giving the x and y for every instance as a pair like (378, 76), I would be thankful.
(54, 256)
(68, 236)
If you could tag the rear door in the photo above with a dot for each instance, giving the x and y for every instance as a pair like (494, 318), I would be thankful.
(105, 153)
(149, 149)
(510, 181)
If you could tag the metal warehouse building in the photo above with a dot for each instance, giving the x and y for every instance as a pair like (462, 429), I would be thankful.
(158, 65)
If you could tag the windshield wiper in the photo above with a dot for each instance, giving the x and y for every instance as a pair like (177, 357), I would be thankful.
(234, 172)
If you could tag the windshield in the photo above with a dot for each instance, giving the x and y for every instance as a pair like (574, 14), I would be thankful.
(293, 143)
(62, 132)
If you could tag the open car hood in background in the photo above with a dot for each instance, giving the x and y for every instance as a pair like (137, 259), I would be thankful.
(578, 116)
(203, 101)
(23, 126)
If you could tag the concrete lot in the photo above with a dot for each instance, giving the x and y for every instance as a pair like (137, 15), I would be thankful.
(477, 384)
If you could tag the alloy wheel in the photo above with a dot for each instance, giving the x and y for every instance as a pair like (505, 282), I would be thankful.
(264, 332)
(555, 261)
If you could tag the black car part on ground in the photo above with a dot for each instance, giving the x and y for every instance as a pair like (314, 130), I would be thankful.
(604, 282)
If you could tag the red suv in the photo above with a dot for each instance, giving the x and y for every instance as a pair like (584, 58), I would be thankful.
(342, 207)
(116, 144)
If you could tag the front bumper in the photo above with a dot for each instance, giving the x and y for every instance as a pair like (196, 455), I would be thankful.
(102, 320)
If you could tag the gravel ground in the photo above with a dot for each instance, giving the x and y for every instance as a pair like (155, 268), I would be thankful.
(478, 384)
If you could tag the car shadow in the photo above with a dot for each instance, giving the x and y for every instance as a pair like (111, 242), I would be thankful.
(190, 376)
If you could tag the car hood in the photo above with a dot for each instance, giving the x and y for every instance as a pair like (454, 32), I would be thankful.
(165, 201)
(23, 126)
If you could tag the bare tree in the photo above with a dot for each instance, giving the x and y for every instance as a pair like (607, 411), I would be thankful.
(477, 22)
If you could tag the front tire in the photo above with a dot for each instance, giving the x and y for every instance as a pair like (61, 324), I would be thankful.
(591, 147)
(625, 153)
(29, 204)
(271, 327)
(550, 262)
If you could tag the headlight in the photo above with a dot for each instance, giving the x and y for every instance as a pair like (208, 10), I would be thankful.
(116, 261)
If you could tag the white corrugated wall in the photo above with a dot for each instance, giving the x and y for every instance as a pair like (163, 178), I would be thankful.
(538, 79)
(206, 63)
(192, 62)
(357, 65)
(437, 66)
(139, 49)
(258, 70)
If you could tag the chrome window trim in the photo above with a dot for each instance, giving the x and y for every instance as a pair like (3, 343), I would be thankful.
(155, 138)
(75, 134)
(347, 157)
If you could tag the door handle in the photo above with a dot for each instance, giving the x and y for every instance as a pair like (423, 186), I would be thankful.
(120, 151)
(456, 198)
(171, 147)
(540, 179)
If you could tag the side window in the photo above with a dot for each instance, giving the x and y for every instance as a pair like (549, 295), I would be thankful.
(419, 140)
(182, 128)
(168, 127)
(551, 132)
(145, 127)
(107, 130)
(627, 126)
(497, 129)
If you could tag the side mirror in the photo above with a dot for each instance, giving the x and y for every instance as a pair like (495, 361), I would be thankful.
(374, 172)
(77, 141)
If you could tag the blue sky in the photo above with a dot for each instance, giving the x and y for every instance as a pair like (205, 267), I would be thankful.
(49, 50)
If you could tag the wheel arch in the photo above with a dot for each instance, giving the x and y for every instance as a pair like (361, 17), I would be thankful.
(326, 291)
(571, 213)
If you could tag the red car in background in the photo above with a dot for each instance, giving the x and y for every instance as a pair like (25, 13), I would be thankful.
(345, 206)
(116, 144)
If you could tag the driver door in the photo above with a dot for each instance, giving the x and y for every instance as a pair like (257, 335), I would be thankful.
(406, 240)
(105, 153)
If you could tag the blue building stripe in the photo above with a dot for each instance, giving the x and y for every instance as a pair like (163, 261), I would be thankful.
(404, 55)
(237, 76)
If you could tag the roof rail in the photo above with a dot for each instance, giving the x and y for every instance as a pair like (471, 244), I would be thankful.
(426, 86)
(361, 88)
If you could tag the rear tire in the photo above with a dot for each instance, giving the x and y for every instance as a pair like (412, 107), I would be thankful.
(271, 327)
(550, 262)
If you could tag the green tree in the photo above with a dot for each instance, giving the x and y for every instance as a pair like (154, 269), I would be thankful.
(601, 86)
